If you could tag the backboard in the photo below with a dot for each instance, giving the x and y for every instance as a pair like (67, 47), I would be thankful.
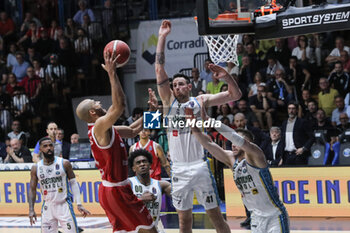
(269, 19)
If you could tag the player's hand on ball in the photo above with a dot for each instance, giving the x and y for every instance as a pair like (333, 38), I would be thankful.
(152, 100)
(110, 61)
(32, 217)
(83, 211)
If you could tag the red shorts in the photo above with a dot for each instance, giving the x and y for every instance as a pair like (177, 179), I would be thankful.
(124, 210)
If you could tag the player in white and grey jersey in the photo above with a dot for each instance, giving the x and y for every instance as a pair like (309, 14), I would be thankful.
(190, 172)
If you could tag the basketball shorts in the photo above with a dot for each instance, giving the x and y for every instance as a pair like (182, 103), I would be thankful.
(124, 210)
(187, 178)
(52, 213)
(278, 223)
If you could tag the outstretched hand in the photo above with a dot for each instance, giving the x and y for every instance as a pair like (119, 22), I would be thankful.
(165, 28)
(152, 100)
(219, 72)
(110, 61)
(32, 217)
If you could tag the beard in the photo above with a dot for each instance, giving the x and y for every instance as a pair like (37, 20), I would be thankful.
(48, 155)
(100, 112)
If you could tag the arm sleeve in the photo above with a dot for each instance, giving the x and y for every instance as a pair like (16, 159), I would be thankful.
(75, 190)
(231, 135)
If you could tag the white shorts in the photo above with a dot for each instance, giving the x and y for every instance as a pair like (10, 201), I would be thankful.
(189, 177)
(278, 223)
(52, 213)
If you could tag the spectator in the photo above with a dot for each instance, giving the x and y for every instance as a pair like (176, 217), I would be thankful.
(280, 51)
(5, 99)
(305, 97)
(225, 111)
(279, 90)
(247, 71)
(38, 69)
(70, 31)
(66, 55)
(11, 84)
(18, 133)
(344, 122)
(206, 74)
(26, 23)
(65, 145)
(298, 76)
(51, 131)
(3, 148)
(32, 86)
(56, 75)
(83, 10)
(297, 136)
(312, 107)
(5, 119)
(108, 20)
(272, 67)
(339, 103)
(197, 83)
(240, 122)
(253, 57)
(326, 97)
(32, 36)
(17, 153)
(45, 45)
(31, 55)
(344, 58)
(20, 68)
(214, 86)
(11, 57)
(240, 52)
(74, 138)
(7, 28)
(53, 30)
(263, 108)
(83, 50)
(258, 81)
(323, 122)
(303, 52)
(339, 79)
(93, 29)
(334, 56)
(22, 109)
(274, 147)
(248, 113)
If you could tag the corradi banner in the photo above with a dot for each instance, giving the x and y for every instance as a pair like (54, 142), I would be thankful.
(181, 45)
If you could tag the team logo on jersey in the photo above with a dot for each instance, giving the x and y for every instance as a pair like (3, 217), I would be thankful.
(57, 166)
(58, 172)
(49, 171)
(60, 190)
(151, 120)
(255, 191)
(154, 190)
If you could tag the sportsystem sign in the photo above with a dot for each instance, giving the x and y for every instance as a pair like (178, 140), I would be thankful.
(304, 20)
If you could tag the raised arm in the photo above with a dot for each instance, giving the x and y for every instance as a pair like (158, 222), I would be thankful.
(232, 94)
(163, 84)
(132, 130)
(32, 194)
(104, 123)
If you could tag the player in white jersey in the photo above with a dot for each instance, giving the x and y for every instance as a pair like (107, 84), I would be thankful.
(54, 174)
(252, 177)
(189, 171)
(147, 189)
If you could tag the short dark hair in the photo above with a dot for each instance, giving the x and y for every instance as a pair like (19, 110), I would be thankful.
(293, 57)
(338, 62)
(139, 152)
(293, 103)
(246, 133)
(50, 122)
(137, 111)
(44, 139)
(178, 75)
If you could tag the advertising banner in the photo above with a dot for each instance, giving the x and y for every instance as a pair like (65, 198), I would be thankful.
(182, 44)
(309, 191)
(14, 188)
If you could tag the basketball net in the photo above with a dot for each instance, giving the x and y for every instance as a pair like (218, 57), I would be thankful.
(222, 48)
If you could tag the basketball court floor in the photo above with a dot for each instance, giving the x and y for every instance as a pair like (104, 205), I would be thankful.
(201, 224)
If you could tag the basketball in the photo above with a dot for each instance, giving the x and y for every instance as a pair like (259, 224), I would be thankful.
(120, 47)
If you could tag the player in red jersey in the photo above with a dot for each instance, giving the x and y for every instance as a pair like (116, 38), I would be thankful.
(156, 151)
(124, 210)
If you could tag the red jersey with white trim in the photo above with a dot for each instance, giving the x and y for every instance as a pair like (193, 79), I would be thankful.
(156, 168)
(111, 160)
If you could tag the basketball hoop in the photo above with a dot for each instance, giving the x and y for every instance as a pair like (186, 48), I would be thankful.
(222, 48)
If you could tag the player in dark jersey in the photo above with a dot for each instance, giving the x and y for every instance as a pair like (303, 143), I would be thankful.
(124, 210)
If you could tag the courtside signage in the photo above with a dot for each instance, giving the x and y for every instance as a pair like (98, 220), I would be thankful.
(305, 192)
